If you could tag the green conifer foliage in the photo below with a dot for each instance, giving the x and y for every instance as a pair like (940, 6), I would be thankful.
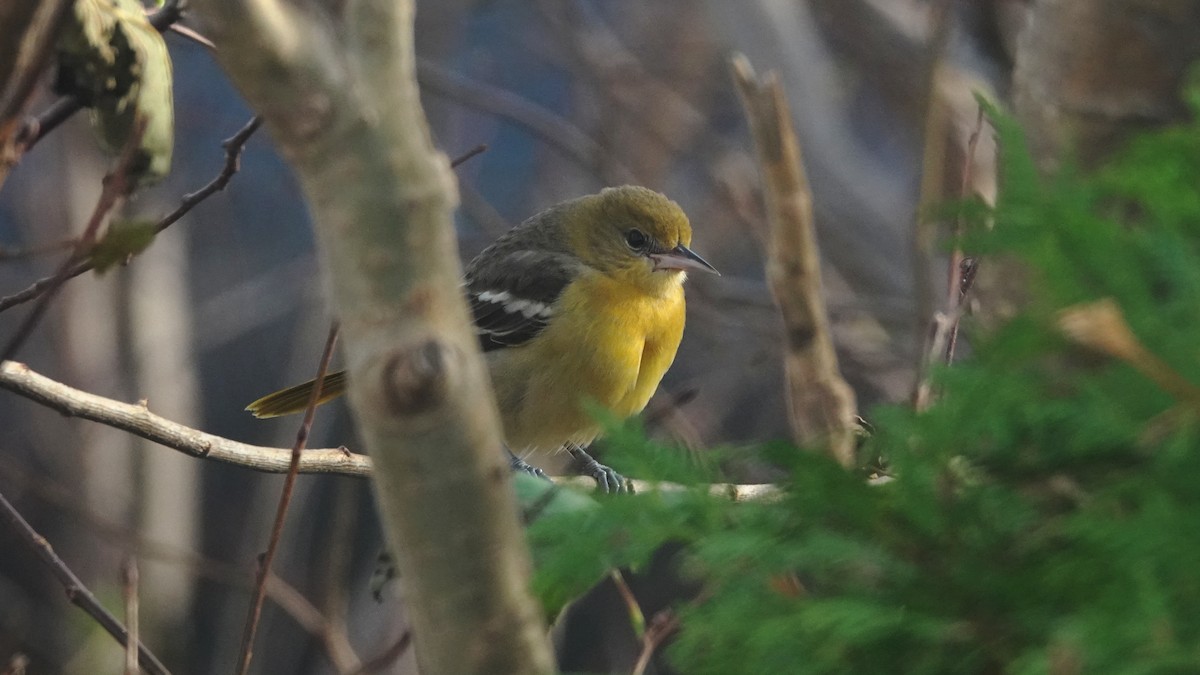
(1045, 512)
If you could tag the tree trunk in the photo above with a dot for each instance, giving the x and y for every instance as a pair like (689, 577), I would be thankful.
(342, 104)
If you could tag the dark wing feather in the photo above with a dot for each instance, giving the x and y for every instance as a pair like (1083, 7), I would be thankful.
(513, 290)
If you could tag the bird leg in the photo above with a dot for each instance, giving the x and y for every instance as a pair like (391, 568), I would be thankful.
(606, 479)
(517, 464)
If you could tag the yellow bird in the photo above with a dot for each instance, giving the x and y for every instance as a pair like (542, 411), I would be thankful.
(580, 304)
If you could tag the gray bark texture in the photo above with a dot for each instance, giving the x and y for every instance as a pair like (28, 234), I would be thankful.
(339, 96)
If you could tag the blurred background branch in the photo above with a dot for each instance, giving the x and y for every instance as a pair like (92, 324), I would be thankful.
(568, 97)
(822, 408)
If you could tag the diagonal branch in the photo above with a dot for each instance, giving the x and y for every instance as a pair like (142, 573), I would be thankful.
(285, 499)
(822, 407)
(293, 603)
(77, 593)
(233, 153)
(116, 188)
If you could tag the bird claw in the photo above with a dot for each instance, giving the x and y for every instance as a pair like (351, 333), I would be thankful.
(607, 480)
(517, 464)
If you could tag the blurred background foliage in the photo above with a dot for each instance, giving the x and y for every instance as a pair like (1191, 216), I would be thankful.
(569, 97)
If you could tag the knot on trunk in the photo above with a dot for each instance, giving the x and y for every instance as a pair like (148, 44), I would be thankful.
(416, 379)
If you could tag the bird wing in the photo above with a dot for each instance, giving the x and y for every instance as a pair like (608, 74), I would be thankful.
(513, 294)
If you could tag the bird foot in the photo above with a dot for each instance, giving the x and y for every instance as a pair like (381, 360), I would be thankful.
(607, 480)
(517, 464)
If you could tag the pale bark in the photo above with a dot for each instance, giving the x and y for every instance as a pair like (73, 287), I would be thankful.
(139, 421)
(821, 406)
(341, 102)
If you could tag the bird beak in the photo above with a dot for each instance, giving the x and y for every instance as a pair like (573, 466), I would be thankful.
(681, 258)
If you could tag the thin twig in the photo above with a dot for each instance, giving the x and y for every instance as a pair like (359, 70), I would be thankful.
(193, 35)
(334, 566)
(662, 626)
(21, 84)
(233, 152)
(542, 123)
(37, 288)
(968, 267)
(129, 583)
(77, 593)
(285, 498)
(943, 330)
(822, 407)
(479, 149)
(388, 657)
(233, 162)
(332, 638)
(36, 128)
(139, 421)
(961, 269)
(116, 188)
(287, 597)
(637, 618)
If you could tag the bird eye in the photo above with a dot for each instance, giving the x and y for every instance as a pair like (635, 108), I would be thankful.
(636, 239)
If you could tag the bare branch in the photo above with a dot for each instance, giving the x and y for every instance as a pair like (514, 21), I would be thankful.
(556, 132)
(285, 499)
(291, 601)
(129, 583)
(193, 35)
(962, 270)
(77, 593)
(233, 157)
(139, 421)
(943, 333)
(662, 626)
(294, 604)
(822, 407)
(388, 657)
(233, 152)
(31, 48)
(36, 128)
(457, 161)
(116, 188)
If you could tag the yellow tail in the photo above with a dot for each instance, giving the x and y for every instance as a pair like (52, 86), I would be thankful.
(294, 399)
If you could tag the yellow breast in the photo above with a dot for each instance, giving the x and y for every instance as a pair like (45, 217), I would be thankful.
(606, 345)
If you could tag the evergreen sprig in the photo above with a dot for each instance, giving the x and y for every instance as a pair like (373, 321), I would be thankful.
(1044, 512)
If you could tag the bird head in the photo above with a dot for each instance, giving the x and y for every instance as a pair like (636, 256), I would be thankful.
(634, 234)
